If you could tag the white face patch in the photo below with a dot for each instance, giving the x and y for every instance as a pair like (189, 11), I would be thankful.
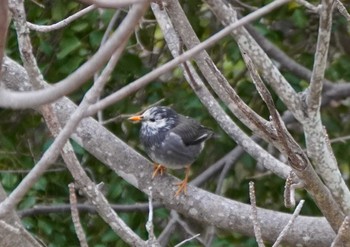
(153, 120)
(153, 127)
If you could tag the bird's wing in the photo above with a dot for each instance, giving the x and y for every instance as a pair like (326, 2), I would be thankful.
(191, 132)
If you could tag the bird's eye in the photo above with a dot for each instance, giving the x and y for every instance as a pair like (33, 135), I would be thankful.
(152, 119)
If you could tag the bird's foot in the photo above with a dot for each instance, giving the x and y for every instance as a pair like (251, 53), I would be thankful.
(182, 187)
(158, 169)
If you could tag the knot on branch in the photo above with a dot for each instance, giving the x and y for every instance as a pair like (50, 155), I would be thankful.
(298, 161)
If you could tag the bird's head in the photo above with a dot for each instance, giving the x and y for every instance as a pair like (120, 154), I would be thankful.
(158, 118)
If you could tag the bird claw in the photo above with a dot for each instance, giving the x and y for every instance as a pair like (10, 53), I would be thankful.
(182, 188)
(158, 169)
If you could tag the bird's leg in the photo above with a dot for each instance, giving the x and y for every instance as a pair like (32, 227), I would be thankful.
(158, 169)
(182, 186)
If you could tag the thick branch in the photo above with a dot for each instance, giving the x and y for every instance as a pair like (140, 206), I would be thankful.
(53, 151)
(227, 15)
(316, 83)
(200, 205)
(80, 76)
(214, 108)
(297, 158)
(213, 76)
(317, 141)
(145, 80)
(20, 237)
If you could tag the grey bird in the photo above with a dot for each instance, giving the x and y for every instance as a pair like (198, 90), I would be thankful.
(171, 140)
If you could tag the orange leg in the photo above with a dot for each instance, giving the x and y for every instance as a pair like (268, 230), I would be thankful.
(182, 186)
(158, 169)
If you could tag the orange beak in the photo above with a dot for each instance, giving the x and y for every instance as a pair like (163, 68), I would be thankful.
(136, 118)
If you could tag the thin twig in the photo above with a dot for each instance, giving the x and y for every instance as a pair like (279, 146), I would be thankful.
(289, 224)
(30, 99)
(187, 240)
(164, 236)
(106, 34)
(143, 81)
(82, 74)
(342, 139)
(90, 190)
(112, 4)
(254, 215)
(75, 216)
(309, 6)
(292, 183)
(152, 240)
(123, 117)
(298, 159)
(289, 146)
(61, 24)
(53, 151)
(133, 168)
(213, 106)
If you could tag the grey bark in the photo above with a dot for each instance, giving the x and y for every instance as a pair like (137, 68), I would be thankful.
(200, 205)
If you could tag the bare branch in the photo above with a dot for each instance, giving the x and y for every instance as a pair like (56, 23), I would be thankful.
(317, 141)
(227, 161)
(331, 91)
(136, 170)
(75, 216)
(21, 237)
(65, 208)
(90, 190)
(187, 240)
(309, 6)
(80, 76)
(145, 80)
(297, 158)
(289, 146)
(165, 235)
(214, 108)
(290, 223)
(316, 83)
(61, 24)
(289, 190)
(214, 77)
(254, 216)
(112, 4)
(25, 46)
(98, 200)
(342, 139)
(343, 236)
(227, 15)
(3, 28)
(342, 10)
(185, 226)
(53, 151)
(152, 240)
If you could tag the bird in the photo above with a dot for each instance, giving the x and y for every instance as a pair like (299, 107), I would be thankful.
(171, 140)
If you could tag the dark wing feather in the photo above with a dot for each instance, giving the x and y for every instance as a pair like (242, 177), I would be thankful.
(191, 131)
